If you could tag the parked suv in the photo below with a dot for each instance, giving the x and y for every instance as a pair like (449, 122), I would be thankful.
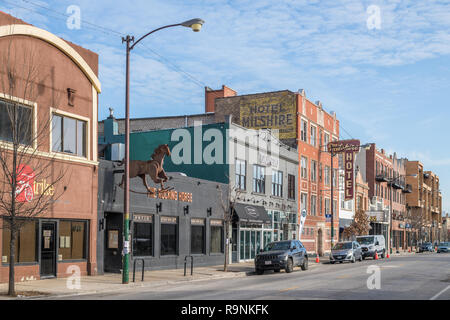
(443, 247)
(371, 244)
(346, 251)
(281, 255)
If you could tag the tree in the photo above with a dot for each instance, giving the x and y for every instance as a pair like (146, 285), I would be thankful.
(359, 226)
(418, 222)
(25, 157)
(227, 202)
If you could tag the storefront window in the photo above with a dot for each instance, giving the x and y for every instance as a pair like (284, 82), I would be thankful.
(142, 239)
(217, 236)
(198, 236)
(169, 236)
(25, 243)
(72, 240)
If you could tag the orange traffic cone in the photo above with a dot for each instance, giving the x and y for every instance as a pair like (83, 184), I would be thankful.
(317, 258)
(376, 255)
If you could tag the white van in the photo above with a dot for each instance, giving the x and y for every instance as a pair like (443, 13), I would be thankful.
(371, 244)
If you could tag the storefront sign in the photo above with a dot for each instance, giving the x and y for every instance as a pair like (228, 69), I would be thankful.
(198, 222)
(27, 187)
(170, 195)
(142, 218)
(274, 112)
(348, 148)
(216, 222)
(170, 220)
(376, 216)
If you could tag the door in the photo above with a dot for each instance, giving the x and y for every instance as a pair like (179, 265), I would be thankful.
(48, 250)
(113, 243)
(234, 244)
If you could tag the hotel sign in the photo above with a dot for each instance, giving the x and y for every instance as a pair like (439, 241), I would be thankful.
(348, 148)
(276, 112)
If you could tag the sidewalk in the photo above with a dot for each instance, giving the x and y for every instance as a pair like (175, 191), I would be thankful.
(113, 282)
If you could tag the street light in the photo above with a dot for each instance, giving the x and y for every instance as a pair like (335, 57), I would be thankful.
(195, 25)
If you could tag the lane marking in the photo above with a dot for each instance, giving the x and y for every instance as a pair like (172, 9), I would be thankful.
(287, 289)
(441, 292)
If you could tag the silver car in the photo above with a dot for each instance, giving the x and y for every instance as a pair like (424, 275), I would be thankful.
(346, 251)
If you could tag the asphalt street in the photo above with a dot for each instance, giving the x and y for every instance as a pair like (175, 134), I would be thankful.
(420, 276)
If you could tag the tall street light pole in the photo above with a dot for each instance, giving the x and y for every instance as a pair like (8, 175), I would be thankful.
(195, 25)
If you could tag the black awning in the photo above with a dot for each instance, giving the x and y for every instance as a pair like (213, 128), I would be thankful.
(250, 213)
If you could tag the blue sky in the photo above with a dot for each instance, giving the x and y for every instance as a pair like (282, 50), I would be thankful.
(389, 85)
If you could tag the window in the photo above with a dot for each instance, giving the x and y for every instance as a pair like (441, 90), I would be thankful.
(143, 236)
(26, 243)
(304, 201)
(259, 179)
(69, 135)
(313, 170)
(327, 206)
(304, 167)
(327, 175)
(334, 207)
(313, 205)
(72, 240)
(320, 205)
(320, 171)
(334, 177)
(326, 139)
(241, 174)
(277, 183)
(169, 236)
(198, 236)
(304, 129)
(217, 236)
(313, 136)
(23, 122)
(291, 186)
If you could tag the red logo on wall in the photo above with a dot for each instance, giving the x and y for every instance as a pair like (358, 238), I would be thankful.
(25, 182)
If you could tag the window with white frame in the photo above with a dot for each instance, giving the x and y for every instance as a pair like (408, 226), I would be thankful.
(16, 116)
(313, 205)
(277, 183)
(313, 170)
(327, 175)
(304, 167)
(240, 174)
(304, 129)
(304, 201)
(68, 135)
(259, 179)
(313, 136)
(326, 139)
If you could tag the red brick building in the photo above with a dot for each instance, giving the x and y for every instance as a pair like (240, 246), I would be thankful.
(63, 109)
(303, 125)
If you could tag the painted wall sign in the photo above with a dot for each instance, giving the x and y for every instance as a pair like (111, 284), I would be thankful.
(348, 148)
(198, 222)
(274, 112)
(216, 222)
(171, 220)
(170, 195)
(27, 187)
(142, 217)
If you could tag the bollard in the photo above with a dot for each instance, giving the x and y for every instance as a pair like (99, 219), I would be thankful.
(192, 264)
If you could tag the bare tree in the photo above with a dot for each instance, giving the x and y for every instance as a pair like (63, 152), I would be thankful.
(25, 158)
(359, 226)
(418, 222)
(228, 200)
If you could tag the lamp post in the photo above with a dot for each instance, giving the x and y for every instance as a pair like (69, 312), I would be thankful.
(390, 182)
(195, 25)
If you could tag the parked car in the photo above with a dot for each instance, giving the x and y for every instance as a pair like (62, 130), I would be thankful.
(371, 244)
(346, 251)
(426, 246)
(443, 247)
(281, 255)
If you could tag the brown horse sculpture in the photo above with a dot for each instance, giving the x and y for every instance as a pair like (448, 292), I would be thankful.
(153, 167)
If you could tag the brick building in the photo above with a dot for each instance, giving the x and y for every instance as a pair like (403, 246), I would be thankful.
(425, 201)
(63, 93)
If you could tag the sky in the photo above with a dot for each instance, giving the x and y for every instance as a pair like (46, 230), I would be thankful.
(382, 65)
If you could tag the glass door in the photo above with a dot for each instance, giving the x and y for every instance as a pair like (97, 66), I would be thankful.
(48, 249)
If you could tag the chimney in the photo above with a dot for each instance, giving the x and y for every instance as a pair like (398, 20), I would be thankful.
(301, 92)
(211, 95)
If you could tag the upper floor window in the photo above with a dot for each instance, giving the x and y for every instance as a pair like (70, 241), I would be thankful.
(313, 136)
(259, 179)
(313, 170)
(291, 186)
(327, 175)
(304, 129)
(15, 117)
(326, 139)
(241, 174)
(68, 135)
(277, 183)
(304, 167)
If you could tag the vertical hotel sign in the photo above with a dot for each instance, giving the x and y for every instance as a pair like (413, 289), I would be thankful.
(348, 148)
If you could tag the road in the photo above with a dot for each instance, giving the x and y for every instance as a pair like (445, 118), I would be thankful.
(419, 276)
